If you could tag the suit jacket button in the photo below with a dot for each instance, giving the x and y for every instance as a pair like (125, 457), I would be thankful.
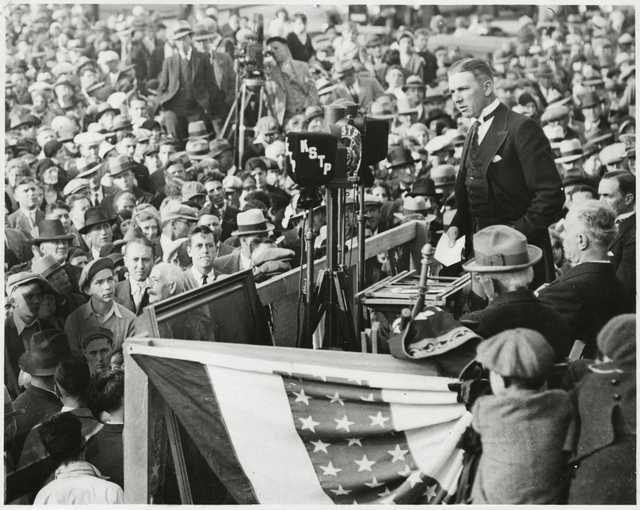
(616, 396)
(614, 382)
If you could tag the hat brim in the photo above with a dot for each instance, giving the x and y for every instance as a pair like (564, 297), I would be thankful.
(178, 217)
(86, 228)
(38, 240)
(568, 159)
(534, 254)
(181, 35)
(269, 228)
(27, 366)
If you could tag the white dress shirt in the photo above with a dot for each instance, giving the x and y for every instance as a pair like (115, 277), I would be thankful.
(197, 275)
(484, 126)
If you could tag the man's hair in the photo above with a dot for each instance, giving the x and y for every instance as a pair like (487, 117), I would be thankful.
(172, 273)
(27, 179)
(512, 280)
(108, 392)
(626, 181)
(597, 218)
(202, 230)
(58, 204)
(61, 436)
(583, 188)
(76, 197)
(73, 376)
(301, 16)
(138, 240)
(478, 67)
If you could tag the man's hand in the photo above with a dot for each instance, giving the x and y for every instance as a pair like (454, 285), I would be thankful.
(453, 233)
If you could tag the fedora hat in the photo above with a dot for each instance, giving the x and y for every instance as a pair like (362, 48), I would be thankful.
(119, 164)
(94, 216)
(197, 149)
(178, 212)
(181, 30)
(51, 230)
(252, 222)
(570, 150)
(423, 187)
(121, 123)
(197, 130)
(500, 248)
(399, 157)
(104, 108)
(414, 207)
(45, 350)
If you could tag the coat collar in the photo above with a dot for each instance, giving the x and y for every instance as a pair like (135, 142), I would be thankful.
(494, 138)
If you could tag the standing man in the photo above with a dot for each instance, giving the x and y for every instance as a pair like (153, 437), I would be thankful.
(507, 174)
(27, 217)
(186, 85)
(132, 293)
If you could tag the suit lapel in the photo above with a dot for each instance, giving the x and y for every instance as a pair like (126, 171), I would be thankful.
(624, 226)
(494, 138)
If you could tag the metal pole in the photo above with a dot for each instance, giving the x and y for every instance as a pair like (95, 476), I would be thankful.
(361, 255)
(340, 227)
(309, 284)
(332, 257)
(241, 127)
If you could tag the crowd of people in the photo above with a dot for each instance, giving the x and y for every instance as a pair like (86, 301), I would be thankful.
(124, 187)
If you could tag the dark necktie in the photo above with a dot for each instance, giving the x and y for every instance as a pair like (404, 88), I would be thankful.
(204, 279)
(354, 95)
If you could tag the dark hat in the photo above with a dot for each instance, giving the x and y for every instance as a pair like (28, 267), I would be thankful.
(399, 156)
(522, 353)
(94, 216)
(93, 268)
(51, 230)
(119, 164)
(94, 334)
(218, 146)
(424, 187)
(617, 339)
(44, 351)
(589, 100)
(24, 120)
(575, 176)
(51, 147)
(276, 38)
(499, 248)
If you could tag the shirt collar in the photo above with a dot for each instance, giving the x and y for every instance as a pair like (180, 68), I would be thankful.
(186, 56)
(198, 275)
(488, 109)
(104, 318)
(624, 216)
(245, 262)
(21, 325)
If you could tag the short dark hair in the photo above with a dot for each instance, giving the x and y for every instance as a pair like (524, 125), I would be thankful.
(301, 16)
(139, 240)
(202, 230)
(72, 374)
(61, 436)
(108, 392)
(583, 188)
(478, 67)
(58, 204)
(626, 181)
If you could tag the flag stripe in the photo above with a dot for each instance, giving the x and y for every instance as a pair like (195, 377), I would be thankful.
(418, 397)
(408, 417)
(264, 436)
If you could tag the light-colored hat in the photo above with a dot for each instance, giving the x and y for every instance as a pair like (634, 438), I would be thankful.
(252, 222)
(22, 278)
(570, 150)
(88, 139)
(499, 248)
(613, 153)
(107, 56)
(175, 211)
(191, 189)
(232, 183)
(182, 29)
(438, 143)
(75, 186)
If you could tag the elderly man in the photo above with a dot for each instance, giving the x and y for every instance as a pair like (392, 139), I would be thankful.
(132, 293)
(618, 190)
(507, 174)
(186, 82)
(588, 294)
(165, 280)
(54, 241)
(97, 230)
(290, 81)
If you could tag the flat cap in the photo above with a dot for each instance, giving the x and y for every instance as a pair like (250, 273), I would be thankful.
(92, 269)
(555, 112)
(22, 278)
(617, 339)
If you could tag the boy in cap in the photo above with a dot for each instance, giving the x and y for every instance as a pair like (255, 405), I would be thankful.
(97, 281)
(522, 426)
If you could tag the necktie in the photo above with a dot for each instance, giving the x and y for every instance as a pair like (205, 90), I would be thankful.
(354, 95)
(204, 279)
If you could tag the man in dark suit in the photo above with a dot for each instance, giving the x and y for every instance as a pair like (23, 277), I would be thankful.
(187, 85)
(618, 189)
(132, 293)
(507, 175)
(588, 294)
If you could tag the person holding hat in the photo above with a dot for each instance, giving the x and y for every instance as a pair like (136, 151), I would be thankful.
(97, 282)
(519, 361)
(97, 230)
(361, 90)
(185, 95)
(603, 463)
(176, 222)
(588, 294)
(493, 163)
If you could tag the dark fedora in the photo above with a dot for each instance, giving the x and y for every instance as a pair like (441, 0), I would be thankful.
(94, 216)
(51, 230)
(589, 100)
(278, 39)
(399, 157)
(423, 187)
(500, 248)
(45, 350)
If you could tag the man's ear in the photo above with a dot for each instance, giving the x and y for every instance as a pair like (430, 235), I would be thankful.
(583, 241)
(629, 199)
(488, 87)
(486, 284)
(172, 288)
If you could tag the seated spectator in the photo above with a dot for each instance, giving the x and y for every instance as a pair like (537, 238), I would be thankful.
(76, 481)
(105, 451)
(587, 295)
(519, 360)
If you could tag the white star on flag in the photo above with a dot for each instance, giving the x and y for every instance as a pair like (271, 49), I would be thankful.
(405, 472)
(319, 446)
(309, 424)
(430, 492)
(340, 491)
(330, 470)
(344, 423)
(415, 478)
(374, 483)
(364, 464)
(398, 453)
(368, 398)
(335, 399)
(378, 419)
(302, 397)
(385, 493)
(354, 440)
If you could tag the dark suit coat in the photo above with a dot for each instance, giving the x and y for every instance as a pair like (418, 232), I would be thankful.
(587, 296)
(227, 264)
(524, 187)
(623, 248)
(19, 220)
(225, 77)
(370, 90)
(124, 297)
(227, 219)
(204, 85)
